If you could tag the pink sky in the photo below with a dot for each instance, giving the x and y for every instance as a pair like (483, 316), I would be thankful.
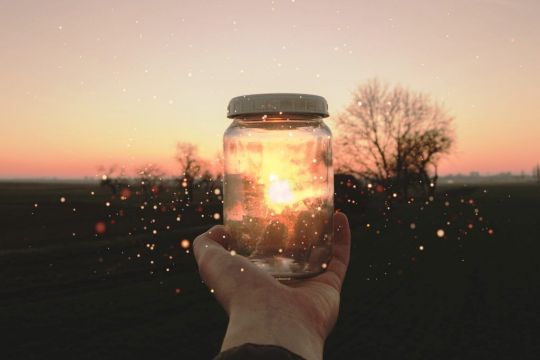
(86, 84)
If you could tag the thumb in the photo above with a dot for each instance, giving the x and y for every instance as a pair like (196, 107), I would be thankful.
(223, 271)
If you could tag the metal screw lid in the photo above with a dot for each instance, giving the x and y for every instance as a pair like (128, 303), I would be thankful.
(279, 103)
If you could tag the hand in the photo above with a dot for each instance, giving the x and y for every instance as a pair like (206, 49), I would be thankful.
(297, 315)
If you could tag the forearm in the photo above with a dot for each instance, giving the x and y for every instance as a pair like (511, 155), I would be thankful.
(273, 329)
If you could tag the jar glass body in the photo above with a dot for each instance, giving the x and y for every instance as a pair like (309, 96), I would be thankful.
(278, 193)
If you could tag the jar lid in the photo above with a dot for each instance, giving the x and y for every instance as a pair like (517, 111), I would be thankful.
(279, 103)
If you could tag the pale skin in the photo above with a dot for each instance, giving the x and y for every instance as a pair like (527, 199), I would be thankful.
(295, 315)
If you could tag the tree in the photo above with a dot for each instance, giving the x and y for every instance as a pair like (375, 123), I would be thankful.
(392, 135)
(150, 178)
(113, 178)
(191, 165)
(536, 173)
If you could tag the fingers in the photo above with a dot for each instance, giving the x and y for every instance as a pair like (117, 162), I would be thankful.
(222, 271)
(337, 268)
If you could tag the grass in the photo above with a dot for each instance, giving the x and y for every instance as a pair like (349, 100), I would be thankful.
(471, 294)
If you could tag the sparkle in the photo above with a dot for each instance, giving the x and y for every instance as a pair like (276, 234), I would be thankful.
(440, 233)
(185, 243)
(62, 199)
(100, 227)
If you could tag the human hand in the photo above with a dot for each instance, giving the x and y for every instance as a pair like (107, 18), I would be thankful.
(297, 315)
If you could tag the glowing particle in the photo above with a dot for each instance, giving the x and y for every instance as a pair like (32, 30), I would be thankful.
(324, 265)
(177, 291)
(217, 191)
(36, 205)
(62, 199)
(490, 231)
(233, 253)
(394, 195)
(103, 177)
(241, 269)
(421, 248)
(280, 251)
(185, 244)
(412, 226)
(212, 291)
(100, 227)
(217, 216)
(154, 232)
(440, 233)
(107, 204)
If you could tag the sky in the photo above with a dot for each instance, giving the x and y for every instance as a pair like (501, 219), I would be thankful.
(102, 83)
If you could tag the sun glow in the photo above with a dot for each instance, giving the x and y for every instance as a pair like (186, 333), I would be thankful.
(279, 192)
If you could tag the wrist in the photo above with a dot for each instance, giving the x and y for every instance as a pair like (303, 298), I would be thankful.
(271, 327)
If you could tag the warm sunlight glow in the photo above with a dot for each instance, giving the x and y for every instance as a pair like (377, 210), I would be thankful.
(279, 193)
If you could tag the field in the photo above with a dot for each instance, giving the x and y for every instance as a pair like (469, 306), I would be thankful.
(455, 277)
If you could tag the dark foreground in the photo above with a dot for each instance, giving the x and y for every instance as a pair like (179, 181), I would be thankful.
(473, 293)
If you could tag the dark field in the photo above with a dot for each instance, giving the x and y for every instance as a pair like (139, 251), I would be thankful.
(66, 292)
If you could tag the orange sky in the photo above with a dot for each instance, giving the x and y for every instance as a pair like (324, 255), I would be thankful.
(85, 84)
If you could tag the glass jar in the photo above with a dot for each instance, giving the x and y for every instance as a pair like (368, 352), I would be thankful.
(279, 183)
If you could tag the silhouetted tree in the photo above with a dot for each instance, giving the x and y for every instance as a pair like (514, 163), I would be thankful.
(392, 135)
(536, 173)
(113, 178)
(150, 179)
(191, 165)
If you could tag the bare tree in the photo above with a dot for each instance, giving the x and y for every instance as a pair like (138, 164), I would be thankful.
(536, 173)
(150, 178)
(392, 135)
(113, 178)
(191, 165)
